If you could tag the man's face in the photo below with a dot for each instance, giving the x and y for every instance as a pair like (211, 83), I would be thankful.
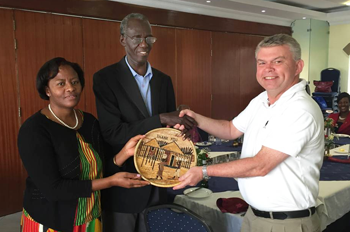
(277, 71)
(137, 53)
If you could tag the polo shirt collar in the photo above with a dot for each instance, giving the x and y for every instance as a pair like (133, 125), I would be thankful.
(286, 95)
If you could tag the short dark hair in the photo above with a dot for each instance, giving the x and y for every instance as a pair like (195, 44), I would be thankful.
(50, 69)
(343, 95)
(125, 21)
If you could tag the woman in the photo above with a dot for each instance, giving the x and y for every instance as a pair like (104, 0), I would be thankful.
(342, 119)
(62, 151)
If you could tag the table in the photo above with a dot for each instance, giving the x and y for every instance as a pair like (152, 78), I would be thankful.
(216, 184)
(342, 141)
(334, 196)
(224, 153)
(225, 147)
(207, 209)
(333, 201)
(217, 154)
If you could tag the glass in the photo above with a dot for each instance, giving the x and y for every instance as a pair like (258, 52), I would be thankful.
(214, 140)
(204, 184)
(211, 138)
(233, 156)
(218, 141)
(137, 41)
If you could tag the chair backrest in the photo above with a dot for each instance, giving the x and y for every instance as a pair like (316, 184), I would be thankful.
(321, 102)
(332, 74)
(173, 217)
(203, 134)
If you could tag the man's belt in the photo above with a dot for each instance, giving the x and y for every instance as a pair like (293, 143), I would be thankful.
(286, 214)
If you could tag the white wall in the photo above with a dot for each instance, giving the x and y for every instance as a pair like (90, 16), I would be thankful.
(337, 58)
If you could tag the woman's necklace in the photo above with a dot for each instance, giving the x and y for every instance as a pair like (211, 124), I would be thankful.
(341, 118)
(70, 127)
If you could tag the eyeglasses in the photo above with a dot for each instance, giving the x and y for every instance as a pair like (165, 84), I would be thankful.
(137, 41)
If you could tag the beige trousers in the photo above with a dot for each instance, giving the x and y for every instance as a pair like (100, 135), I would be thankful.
(252, 223)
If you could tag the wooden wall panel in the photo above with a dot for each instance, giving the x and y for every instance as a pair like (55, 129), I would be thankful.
(225, 75)
(194, 69)
(11, 170)
(163, 54)
(249, 86)
(183, 54)
(41, 37)
(117, 11)
(101, 48)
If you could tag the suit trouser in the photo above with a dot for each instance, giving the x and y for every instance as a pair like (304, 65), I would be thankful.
(123, 222)
(252, 223)
(128, 222)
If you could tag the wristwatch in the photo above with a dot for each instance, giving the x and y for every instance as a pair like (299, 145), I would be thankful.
(205, 173)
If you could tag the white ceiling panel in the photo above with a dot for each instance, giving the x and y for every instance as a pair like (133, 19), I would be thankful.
(278, 12)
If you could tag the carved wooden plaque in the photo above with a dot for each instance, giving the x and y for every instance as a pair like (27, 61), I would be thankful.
(161, 157)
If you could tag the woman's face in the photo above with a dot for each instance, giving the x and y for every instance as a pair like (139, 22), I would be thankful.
(343, 105)
(64, 90)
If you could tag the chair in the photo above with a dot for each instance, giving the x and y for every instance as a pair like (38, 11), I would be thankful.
(173, 217)
(203, 134)
(330, 74)
(323, 105)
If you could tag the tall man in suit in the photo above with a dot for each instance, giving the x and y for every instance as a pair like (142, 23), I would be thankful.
(132, 98)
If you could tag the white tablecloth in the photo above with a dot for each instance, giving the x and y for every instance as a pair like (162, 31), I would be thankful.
(333, 202)
(335, 198)
(207, 209)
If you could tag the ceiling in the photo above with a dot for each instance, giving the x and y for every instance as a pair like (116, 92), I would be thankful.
(278, 12)
(326, 6)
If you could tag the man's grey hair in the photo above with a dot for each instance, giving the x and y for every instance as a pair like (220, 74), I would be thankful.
(280, 40)
(125, 21)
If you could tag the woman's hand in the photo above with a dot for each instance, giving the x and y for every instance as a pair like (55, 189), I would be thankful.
(129, 147)
(127, 151)
(127, 180)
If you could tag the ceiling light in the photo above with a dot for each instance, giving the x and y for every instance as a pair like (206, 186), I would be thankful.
(208, 1)
(263, 11)
(348, 3)
(304, 17)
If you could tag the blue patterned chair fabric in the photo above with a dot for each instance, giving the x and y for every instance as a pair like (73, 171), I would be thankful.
(173, 217)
